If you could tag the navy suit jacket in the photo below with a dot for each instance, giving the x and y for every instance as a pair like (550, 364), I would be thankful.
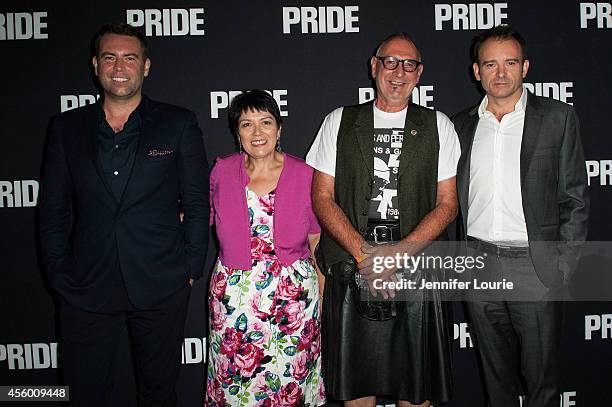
(86, 233)
(553, 184)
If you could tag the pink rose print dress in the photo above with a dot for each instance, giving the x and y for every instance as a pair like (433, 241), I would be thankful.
(265, 347)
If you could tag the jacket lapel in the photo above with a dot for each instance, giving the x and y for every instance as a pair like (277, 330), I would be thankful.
(531, 132)
(147, 128)
(466, 138)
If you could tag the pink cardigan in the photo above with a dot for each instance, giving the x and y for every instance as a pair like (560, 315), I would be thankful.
(294, 219)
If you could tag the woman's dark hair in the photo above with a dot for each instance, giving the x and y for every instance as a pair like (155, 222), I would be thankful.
(255, 99)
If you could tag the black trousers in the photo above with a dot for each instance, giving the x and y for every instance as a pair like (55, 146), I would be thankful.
(517, 336)
(91, 341)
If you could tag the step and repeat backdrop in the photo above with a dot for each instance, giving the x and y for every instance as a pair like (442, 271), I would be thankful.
(312, 56)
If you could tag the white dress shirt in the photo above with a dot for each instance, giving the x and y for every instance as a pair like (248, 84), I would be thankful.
(495, 208)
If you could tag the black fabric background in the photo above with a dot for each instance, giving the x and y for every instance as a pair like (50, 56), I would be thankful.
(244, 47)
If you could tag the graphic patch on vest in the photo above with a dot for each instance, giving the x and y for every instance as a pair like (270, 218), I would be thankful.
(387, 150)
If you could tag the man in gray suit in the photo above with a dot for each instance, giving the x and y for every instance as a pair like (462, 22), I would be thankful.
(523, 198)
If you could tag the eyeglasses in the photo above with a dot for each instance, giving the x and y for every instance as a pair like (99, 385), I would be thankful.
(390, 63)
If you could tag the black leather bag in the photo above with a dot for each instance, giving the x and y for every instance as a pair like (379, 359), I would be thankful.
(372, 308)
(368, 306)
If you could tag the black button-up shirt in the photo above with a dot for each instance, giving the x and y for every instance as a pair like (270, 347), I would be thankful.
(117, 151)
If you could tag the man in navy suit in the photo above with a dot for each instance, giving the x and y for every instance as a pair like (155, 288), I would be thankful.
(523, 198)
(117, 174)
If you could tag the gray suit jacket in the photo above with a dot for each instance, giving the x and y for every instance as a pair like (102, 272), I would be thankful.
(553, 184)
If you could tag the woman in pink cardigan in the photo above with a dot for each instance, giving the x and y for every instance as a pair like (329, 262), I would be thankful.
(264, 296)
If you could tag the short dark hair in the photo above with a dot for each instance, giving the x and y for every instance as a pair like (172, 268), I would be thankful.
(397, 35)
(500, 33)
(255, 99)
(120, 29)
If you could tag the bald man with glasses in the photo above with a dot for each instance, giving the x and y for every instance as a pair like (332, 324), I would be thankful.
(384, 185)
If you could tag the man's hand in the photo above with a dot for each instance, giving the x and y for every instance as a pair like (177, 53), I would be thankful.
(378, 254)
(191, 282)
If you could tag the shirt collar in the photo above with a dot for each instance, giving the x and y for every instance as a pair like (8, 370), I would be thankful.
(135, 117)
(519, 106)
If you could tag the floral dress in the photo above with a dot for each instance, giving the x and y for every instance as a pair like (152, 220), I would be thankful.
(265, 347)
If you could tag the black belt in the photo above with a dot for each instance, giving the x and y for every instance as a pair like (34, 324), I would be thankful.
(383, 231)
(498, 250)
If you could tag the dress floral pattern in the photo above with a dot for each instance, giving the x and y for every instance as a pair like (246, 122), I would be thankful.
(264, 326)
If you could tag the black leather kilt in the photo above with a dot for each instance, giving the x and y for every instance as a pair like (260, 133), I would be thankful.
(400, 349)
